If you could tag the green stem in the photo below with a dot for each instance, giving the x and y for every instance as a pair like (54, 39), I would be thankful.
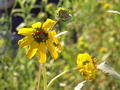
(39, 75)
(56, 78)
(59, 75)
(44, 77)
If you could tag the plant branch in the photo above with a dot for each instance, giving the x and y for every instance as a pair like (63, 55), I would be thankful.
(39, 75)
(55, 24)
(44, 77)
(59, 75)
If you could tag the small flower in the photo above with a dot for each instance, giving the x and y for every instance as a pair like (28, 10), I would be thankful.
(106, 6)
(39, 38)
(86, 65)
(88, 70)
(102, 49)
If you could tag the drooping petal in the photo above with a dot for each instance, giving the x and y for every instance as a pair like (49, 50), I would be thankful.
(60, 48)
(48, 24)
(42, 52)
(25, 41)
(52, 49)
(36, 25)
(26, 31)
(51, 35)
(32, 50)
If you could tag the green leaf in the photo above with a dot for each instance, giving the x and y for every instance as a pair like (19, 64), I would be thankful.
(117, 18)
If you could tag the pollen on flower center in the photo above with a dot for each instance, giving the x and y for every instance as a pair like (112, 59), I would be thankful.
(40, 36)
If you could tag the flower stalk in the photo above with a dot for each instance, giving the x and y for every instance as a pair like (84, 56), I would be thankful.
(39, 38)
(55, 24)
(44, 77)
(59, 75)
(39, 76)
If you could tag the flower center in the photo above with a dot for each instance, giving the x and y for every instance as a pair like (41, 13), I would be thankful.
(40, 36)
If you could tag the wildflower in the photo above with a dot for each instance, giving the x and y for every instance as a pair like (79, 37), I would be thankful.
(88, 70)
(102, 49)
(106, 6)
(39, 38)
(86, 65)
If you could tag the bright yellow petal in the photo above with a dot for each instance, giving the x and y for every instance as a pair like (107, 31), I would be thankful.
(25, 41)
(60, 48)
(26, 31)
(52, 49)
(51, 35)
(79, 62)
(48, 24)
(42, 52)
(88, 69)
(36, 25)
(32, 50)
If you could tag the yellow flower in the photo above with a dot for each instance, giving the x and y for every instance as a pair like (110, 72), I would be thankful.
(39, 38)
(102, 49)
(86, 65)
(106, 6)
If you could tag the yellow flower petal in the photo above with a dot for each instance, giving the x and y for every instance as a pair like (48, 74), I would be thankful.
(32, 50)
(48, 24)
(51, 35)
(26, 31)
(25, 41)
(86, 65)
(42, 52)
(60, 48)
(51, 48)
(36, 25)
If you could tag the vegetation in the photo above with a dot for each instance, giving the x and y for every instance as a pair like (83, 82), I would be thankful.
(91, 29)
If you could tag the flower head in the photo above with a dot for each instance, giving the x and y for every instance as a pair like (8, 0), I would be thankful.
(39, 38)
(86, 65)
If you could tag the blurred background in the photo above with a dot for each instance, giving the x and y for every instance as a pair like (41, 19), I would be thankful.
(91, 29)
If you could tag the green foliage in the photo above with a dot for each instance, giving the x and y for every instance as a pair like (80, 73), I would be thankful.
(91, 29)
(117, 17)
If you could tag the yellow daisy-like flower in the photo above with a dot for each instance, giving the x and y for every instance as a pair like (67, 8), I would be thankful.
(86, 65)
(39, 38)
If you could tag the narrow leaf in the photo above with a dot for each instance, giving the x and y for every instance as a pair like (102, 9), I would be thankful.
(113, 11)
(117, 16)
(106, 56)
(59, 34)
(80, 85)
(105, 67)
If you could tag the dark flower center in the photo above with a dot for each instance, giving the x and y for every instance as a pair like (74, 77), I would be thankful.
(40, 36)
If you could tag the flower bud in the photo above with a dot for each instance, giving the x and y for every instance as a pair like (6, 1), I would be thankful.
(42, 16)
(63, 14)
